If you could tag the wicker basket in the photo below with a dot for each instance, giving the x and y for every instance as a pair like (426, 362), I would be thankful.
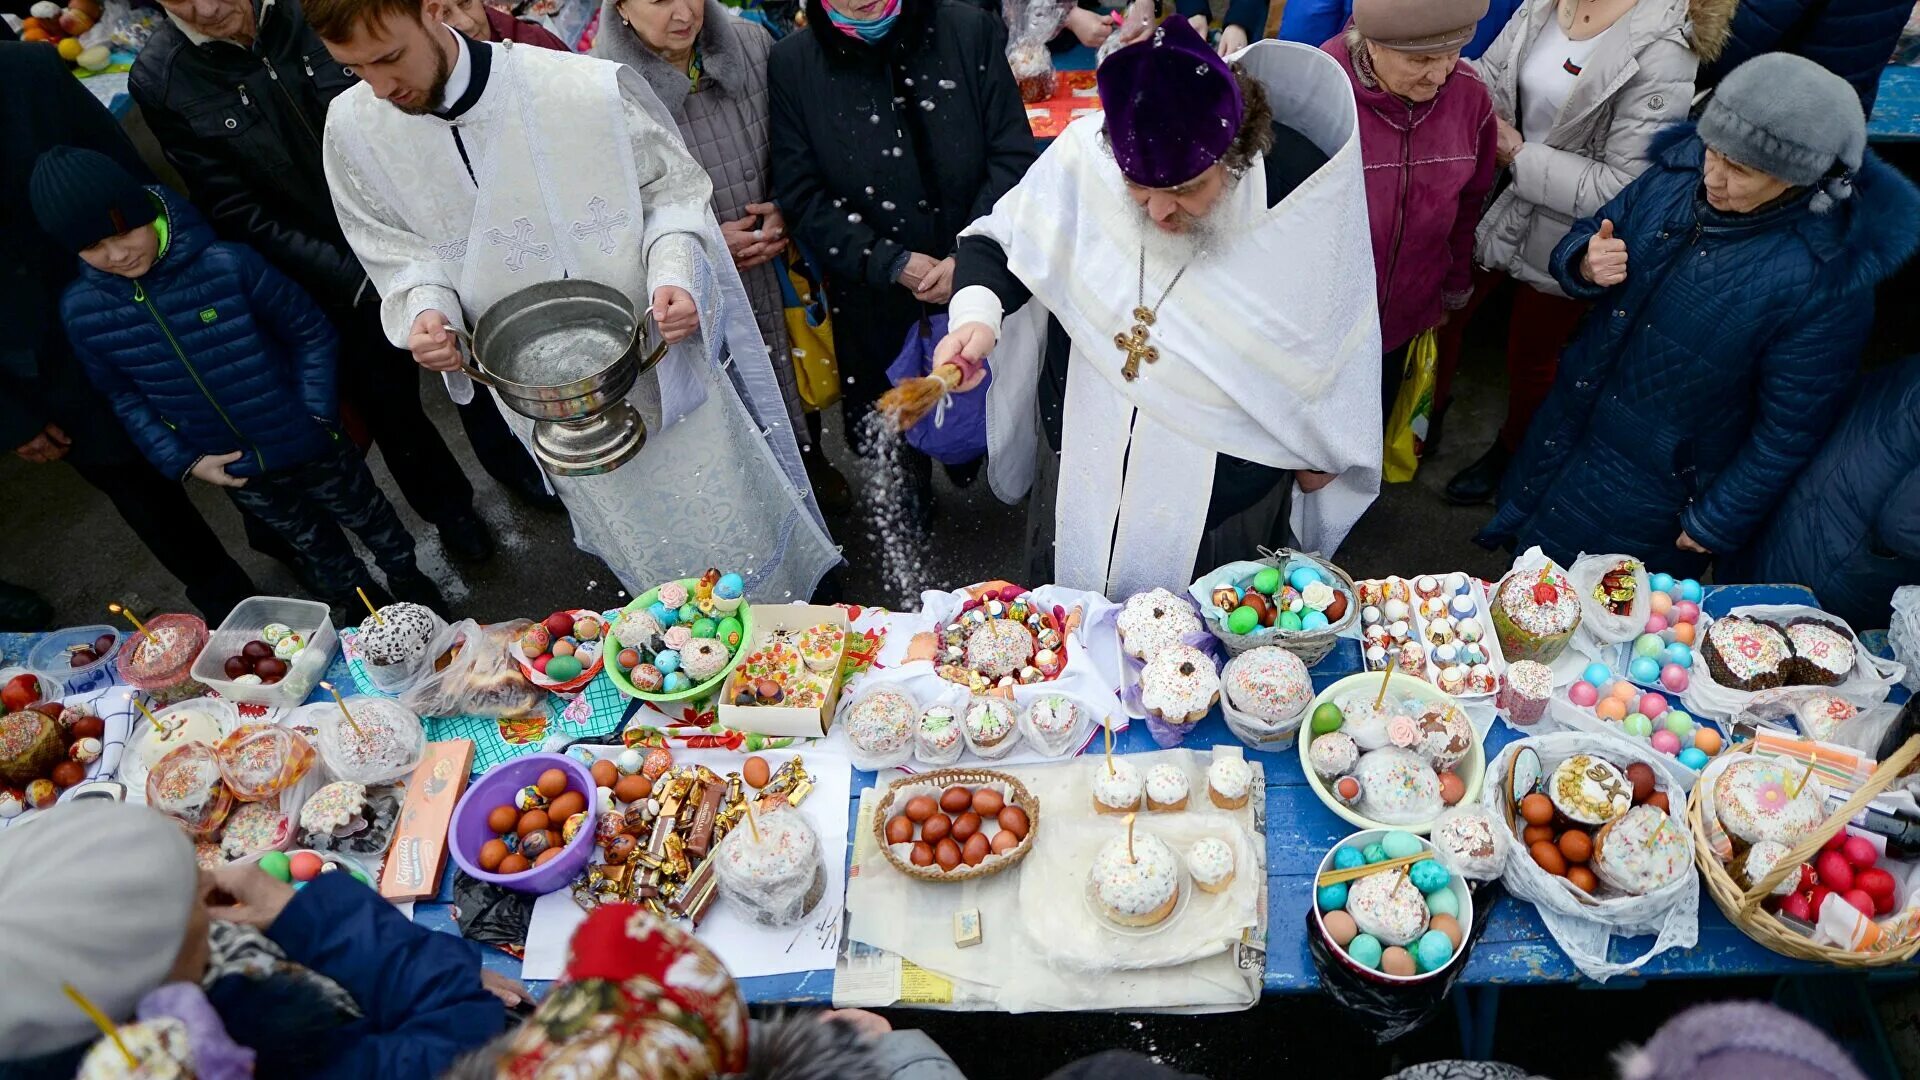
(1018, 795)
(1311, 646)
(1743, 909)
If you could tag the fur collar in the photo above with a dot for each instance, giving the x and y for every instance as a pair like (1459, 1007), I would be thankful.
(1712, 25)
(721, 59)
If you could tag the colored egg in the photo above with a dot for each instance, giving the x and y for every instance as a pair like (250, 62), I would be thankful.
(304, 865)
(1656, 624)
(1398, 962)
(675, 682)
(1434, 950)
(1400, 845)
(705, 628)
(1597, 674)
(1612, 709)
(1428, 876)
(563, 669)
(1303, 576)
(1637, 725)
(689, 613)
(1683, 634)
(1340, 927)
(1707, 740)
(1313, 620)
(1694, 758)
(277, 864)
(1267, 580)
(1689, 591)
(667, 660)
(1644, 669)
(1674, 677)
(1288, 620)
(729, 632)
(1583, 694)
(1648, 645)
(1326, 718)
(1449, 926)
(1365, 950)
(1443, 902)
(1660, 583)
(663, 614)
(1347, 858)
(1244, 620)
(1624, 690)
(1660, 603)
(1652, 705)
(1332, 897)
(1680, 723)
(1676, 653)
(502, 819)
(1374, 853)
(1666, 741)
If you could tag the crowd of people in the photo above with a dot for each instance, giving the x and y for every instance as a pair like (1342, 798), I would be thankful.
(365, 178)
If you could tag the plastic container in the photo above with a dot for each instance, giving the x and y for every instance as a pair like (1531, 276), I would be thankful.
(1472, 769)
(700, 689)
(308, 618)
(170, 679)
(468, 830)
(49, 686)
(1455, 884)
(50, 659)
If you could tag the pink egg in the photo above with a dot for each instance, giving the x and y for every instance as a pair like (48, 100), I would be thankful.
(1652, 705)
(1686, 611)
(1666, 741)
(1583, 694)
(1623, 690)
(1660, 602)
(1656, 623)
(1674, 678)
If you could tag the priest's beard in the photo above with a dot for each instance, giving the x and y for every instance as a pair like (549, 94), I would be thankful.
(436, 96)
(1209, 235)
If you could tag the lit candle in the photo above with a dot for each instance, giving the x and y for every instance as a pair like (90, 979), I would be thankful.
(338, 700)
(118, 610)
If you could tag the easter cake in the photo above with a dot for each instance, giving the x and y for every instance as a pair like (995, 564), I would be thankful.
(1534, 615)
(1746, 654)
(1822, 653)
(1136, 879)
(1153, 621)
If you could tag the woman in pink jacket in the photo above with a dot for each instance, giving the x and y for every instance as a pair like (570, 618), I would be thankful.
(1427, 139)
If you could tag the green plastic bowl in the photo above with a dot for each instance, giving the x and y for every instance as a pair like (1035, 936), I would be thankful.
(699, 689)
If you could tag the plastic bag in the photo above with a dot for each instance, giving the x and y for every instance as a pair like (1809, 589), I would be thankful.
(1256, 731)
(1390, 1010)
(474, 675)
(816, 369)
(1809, 712)
(1030, 25)
(1068, 739)
(1412, 408)
(773, 869)
(956, 433)
(1868, 683)
(492, 915)
(884, 759)
(1903, 633)
(1564, 715)
(1583, 927)
(1599, 626)
(383, 743)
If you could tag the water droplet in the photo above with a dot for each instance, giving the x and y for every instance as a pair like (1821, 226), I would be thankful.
(873, 118)
(839, 202)
(897, 152)
(948, 84)
(884, 204)
(926, 106)
(833, 251)
(869, 189)
(909, 82)
(853, 219)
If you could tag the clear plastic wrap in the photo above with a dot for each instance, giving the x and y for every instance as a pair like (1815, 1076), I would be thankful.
(1472, 841)
(1030, 25)
(880, 725)
(773, 869)
(382, 744)
(473, 674)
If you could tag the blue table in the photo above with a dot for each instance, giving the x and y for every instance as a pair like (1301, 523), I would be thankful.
(1896, 111)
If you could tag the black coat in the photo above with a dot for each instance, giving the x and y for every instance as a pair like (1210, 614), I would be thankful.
(42, 106)
(880, 150)
(243, 127)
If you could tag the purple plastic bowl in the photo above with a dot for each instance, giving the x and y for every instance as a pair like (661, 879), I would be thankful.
(469, 831)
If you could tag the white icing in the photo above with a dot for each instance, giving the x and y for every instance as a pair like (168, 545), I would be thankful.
(1133, 885)
(1154, 620)
(1166, 784)
(1117, 787)
(1179, 682)
(1230, 777)
(1210, 860)
(882, 721)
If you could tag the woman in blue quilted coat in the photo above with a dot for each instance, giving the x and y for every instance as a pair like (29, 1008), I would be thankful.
(220, 368)
(1733, 288)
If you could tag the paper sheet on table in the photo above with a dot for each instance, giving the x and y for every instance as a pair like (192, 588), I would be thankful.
(898, 914)
(747, 949)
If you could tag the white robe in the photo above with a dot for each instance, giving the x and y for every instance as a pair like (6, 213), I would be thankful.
(1269, 349)
(577, 171)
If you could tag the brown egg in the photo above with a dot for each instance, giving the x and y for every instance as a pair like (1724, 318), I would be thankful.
(532, 821)
(1583, 879)
(66, 774)
(1534, 834)
(1549, 858)
(605, 774)
(756, 772)
(1014, 820)
(547, 855)
(1577, 846)
(1003, 842)
(955, 799)
(1340, 927)
(936, 828)
(491, 853)
(920, 808)
(976, 850)
(1398, 961)
(1262, 607)
(899, 830)
(1659, 799)
(921, 855)
(965, 826)
(1452, 788)
(552, 782)
(1336, 608)
(503, 819)
(621, 848)
(1640, 775)
(514, 863)
(947, 854)
(1537, 809)
(987, 802)
(565, 805)
(632, 788)
(1449, 926)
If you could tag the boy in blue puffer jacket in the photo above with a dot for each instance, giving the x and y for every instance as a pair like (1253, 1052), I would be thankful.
(220, 368)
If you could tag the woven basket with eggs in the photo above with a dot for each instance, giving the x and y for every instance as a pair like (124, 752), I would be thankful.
(925, 811)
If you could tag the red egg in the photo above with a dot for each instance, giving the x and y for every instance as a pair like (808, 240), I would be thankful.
(966, 826)
(235, 666)
(955, 799)
(977, 848)
(605, 774)
(920, 808)
(936, 828)
(491, 854)
(1004, 841)
(921, 855)
(1860, 852)
(1013, 820)
(987, 802)
(502, 819)
(515, 863)
(947, 854)
(551, 783)
(1834, 870)
(305, 865)
(899, 830)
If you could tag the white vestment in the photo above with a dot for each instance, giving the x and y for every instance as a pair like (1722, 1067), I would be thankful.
(1269, 349)
(577, 171)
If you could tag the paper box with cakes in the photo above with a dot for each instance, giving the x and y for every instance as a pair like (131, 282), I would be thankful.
(1758, 647)
(1435, 627)
(1600, 846)
(1029, 887)
(788, 683)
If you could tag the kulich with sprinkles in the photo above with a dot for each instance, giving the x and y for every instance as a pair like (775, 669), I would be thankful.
(937, 739)
(989, 727)
(1167, 788)
(881, 723)
(1179, 685)
(1136, 879)
(1229, 781)
(1153, 621)
(1746, 654)
(1116, 787)
(1822, 653)
(1210, 861)
(1534, 614)
(1268, 683)
(1052, 720)
(394, 640)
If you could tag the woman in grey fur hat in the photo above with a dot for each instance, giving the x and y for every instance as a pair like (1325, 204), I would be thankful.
(1733, 292)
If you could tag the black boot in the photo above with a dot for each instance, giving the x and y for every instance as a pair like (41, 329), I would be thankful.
(532, 491)
(1430, 445)
(830, 487)
(418, 588)
(466, 538)
(1480, 482)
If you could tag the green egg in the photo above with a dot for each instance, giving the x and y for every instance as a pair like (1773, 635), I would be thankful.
(1244, 620)
(563, 668)
(729, 632)
(1267, 581)
(688, 614)
(1399, 845)
(1443, 902)
(705, 628)
(1374, 853)
(1289, 620)
(1326, 718)
(1365, 950)
(275, 863)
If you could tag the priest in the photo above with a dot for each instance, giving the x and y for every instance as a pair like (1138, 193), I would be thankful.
(1178, 301)
(465, 171)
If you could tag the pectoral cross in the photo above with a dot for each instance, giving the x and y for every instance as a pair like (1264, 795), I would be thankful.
(1134, 344)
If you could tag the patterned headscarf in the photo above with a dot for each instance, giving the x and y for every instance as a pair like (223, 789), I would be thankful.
(641, 999)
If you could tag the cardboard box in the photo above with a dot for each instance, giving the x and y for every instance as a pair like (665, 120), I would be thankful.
(783, 719)
(419, 851)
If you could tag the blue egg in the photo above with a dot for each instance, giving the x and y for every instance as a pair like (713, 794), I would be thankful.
(1661, 583)
(1303, 576)
(1690, 590)
(663, 614)
(1644, 669)
(1313, 620)
(1428, 876)
(1434, 950)
(675, 682)
(1648, 645)
(729, 587)
(1693, 758)
(1399, 844)
(1597, 674)
(667, 660)
(1375, 853)
(1333, 897)
(1443, 902)
(1679, 653)
(1365, 950)
(1347, 858)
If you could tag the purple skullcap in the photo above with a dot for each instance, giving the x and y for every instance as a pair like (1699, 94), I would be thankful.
(1172, 106)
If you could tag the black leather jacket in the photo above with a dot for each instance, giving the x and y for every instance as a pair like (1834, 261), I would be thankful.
(243, 127)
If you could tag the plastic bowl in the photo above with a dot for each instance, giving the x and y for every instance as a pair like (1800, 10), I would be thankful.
(175, 682)
(49, 659)
(578, 682)
(1455, 884)
(468, 830)
(700, 689)
(1472, 770)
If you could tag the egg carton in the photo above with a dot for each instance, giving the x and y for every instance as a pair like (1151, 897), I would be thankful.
(1418, 633)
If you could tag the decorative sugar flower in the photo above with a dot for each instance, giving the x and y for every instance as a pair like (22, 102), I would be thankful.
(1403, 732)
(1317, 595)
